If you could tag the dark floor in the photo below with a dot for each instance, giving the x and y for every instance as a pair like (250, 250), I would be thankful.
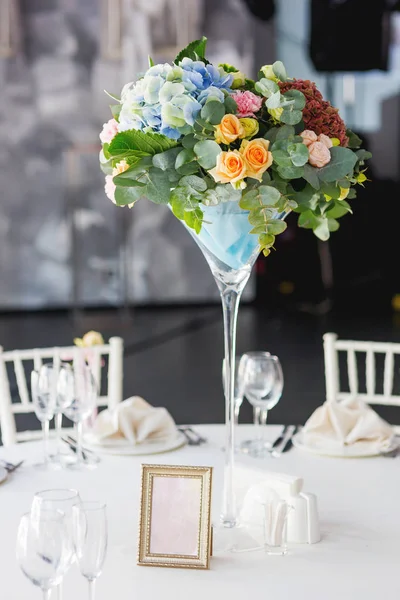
(173, 356)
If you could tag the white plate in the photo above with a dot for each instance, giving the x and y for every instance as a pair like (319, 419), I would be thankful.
(357, 450)
(125, 448)
(3, 474)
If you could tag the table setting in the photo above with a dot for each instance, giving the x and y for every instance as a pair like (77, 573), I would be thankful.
(226, 509)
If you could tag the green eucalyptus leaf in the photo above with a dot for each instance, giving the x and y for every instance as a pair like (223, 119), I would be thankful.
(230, 105)
(297, 97)
(285, 132)
(340, 209)
(333, 225)
(363, 154)
(266, 239)
(342, 163)
(279, 70)
(260, 217)
(291, 172)
(264, 195)
(184, 156)
(266, 87)
(282, 158)
(115, 110)
(194, 219)
(298, 154)
(311, 176)
(166, 160)
(193, 184)
(291, 116)
(274, 100)
(258, 229)
(331, 189)
(158, 186)
(322, 229)
(128, 195)
(271, 134)
(189, 141)
(276, 226)
(212, 112)
(206, 153)
(226, 193)
(354, 140)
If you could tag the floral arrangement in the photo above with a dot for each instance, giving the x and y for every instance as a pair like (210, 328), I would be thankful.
(191, 135)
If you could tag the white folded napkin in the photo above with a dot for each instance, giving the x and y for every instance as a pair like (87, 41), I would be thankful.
(134, 420)
(338, 424)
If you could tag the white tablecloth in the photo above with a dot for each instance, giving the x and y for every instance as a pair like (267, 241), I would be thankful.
(357, 558)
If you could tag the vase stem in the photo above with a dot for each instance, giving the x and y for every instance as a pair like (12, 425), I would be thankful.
(230, 296)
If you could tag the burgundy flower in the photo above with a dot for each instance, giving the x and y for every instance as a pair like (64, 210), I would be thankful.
(318, 114)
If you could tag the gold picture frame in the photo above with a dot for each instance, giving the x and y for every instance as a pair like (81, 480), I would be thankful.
(175, 517)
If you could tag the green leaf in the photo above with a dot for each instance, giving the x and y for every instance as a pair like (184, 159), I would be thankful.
(342, 163)
(322, 229)
(354, 140)
(363, 154)
(311, 176)
(178, 200)
(266, 239)
(230, 105)
(352, 194)
(193, 184)
(291, 117)
(158, 186)
(115, 110)
(266, 87)
(274, 100)
(133, 140)
(128, 195)
(298, 154)
(333, 225)
(276, 226)
(307, 220)
(272, 134)
(185, 156)
(291, 172)
(260, 217)
(341, 208)
(207, 152)
(226, 193)
(296, 98)
(331, 189)
(189, 141)
(194, 219)
(166, 160)
(307, 197)
(212, 112)
(279, 70)
(282, 158)
(285, 132)
(264, 195)
(127, 182)
(195, 50)
(151, 61)
(112, 96)
(137, 167)
(259, 229)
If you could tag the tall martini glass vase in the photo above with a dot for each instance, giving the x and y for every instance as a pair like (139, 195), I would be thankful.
(231, 251)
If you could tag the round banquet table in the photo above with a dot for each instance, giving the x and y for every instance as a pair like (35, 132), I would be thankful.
(358, 556)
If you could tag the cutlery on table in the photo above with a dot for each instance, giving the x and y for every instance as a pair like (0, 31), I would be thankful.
(88, 455)
(193, 438)
(287, 442)
(10, 467)
(281, 437)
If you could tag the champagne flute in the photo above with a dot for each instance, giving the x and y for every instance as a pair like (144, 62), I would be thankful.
(40, 548)
(62, 500)
(43, 388)
(91, 539)
(80, 387)
(263, 389)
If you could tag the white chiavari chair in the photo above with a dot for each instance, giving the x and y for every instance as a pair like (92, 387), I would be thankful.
(18, 364)
(372, 373)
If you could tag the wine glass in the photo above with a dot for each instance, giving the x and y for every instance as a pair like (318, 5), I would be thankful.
(239, 384)
(43, 388)
(62, 401)
(40, 549)
(79, 387)
(63, 500)
(90, 538)
(263, 388)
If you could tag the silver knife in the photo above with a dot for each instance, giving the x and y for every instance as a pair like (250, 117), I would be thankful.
(280, 439)
(289, 442)
(276, 452)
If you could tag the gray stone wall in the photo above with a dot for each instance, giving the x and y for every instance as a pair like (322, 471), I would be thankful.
(61, 240)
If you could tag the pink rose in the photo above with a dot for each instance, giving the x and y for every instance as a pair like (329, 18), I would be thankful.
(309, 136)
(110, 188)
(325, 140)
(110, 130)
(247, 103)
(319, 154)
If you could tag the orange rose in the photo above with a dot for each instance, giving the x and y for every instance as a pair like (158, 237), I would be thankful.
(308, 136)
(256, 156)
(319, 154)
(228, 130)
(230, 168)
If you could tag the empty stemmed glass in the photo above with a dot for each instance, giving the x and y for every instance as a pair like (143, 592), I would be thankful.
(41, 543)
(44, 391)
(91, 539)
(263, 388)
(78, 385)
(63, 500)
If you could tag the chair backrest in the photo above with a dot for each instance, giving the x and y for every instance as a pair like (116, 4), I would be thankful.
(21, 362)
(379, 381)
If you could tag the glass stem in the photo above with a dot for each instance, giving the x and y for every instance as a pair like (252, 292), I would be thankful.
(236, 415)
(79, 435)
(256, 419)
(92, 588)
(45, 430)
(230, 296)
(58, 420)
(263, 423)
(59, 591)
(46, 594)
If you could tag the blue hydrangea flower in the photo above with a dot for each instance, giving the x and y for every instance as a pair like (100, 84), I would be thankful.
(168, 98)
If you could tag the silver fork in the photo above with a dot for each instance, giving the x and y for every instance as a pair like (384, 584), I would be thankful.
(10, 467)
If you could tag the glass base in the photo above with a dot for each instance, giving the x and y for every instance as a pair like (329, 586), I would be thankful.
(233, 539)
(256, 448)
